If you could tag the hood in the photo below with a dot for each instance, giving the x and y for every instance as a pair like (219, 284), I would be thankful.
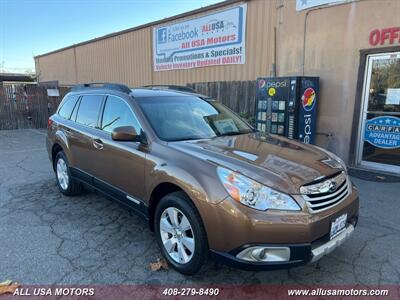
(277, 162)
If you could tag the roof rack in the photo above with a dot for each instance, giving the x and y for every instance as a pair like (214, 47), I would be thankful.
(104, 85)
(180, 88)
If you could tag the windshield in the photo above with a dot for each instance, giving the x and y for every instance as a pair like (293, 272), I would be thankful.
(188, 118)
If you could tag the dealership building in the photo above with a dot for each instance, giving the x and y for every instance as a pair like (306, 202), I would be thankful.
(352, 46)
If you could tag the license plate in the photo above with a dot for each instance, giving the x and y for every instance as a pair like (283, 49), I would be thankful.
(338, 225)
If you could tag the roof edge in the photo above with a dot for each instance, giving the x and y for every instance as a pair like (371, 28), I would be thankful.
(175, 17)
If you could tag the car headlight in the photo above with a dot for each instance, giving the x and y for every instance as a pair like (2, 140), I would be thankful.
(254, 194)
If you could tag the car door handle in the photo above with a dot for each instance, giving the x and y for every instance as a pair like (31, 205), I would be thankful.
(98, 144)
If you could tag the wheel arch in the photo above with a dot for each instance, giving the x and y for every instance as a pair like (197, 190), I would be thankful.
(60, 144)
(54, 150)
(160, 190)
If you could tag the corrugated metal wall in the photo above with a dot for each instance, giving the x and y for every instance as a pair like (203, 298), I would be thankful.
(124, 58)
(127, 57)
(57, 66)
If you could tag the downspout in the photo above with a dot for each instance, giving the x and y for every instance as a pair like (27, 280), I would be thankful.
(274, 63)
(304, 40)
(279, 5)
(151, 57)
(76, 69)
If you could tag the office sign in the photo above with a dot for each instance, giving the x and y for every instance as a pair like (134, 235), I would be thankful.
(383, 132)
(215, 39)
(306, 4)
(385, 36)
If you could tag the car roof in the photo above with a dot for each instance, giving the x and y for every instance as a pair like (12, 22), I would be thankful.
(141, 92)
(161, 92)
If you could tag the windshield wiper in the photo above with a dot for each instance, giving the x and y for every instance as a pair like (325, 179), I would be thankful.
(234, 133)
(188, 139)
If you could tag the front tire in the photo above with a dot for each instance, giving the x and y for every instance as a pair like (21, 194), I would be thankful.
(66, 184)
(180, 233)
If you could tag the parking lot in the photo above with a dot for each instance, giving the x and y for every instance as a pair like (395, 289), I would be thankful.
(47, 238)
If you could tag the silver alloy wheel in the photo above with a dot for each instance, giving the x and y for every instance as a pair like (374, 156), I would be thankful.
(62, 174)
(177, 235)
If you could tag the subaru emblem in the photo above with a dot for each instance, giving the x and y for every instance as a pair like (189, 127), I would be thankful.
(332, 186)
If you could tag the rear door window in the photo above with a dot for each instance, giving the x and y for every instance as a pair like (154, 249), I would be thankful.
(118, 113)
(67, 107)
(89, 108)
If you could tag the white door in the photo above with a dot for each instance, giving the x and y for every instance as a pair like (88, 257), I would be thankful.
(379, 134)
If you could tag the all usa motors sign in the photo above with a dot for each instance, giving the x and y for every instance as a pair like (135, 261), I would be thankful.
(383, 132)
(216, 39)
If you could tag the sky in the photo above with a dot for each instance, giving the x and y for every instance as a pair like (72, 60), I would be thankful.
(33, 27)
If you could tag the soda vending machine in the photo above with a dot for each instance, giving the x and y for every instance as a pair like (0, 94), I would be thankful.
(287, 106)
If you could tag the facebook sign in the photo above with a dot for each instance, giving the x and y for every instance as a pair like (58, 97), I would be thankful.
(162, 35)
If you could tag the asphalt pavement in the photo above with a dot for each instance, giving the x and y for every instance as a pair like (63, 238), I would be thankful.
(48, 238)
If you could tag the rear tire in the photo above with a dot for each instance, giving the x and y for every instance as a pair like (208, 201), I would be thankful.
(181, 237)
(66, 184)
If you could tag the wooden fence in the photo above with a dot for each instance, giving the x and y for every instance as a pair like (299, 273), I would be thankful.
(237, 95)
(29, 106)
(24, 105)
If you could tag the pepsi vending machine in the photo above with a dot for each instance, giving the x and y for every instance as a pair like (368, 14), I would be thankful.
(287, 106)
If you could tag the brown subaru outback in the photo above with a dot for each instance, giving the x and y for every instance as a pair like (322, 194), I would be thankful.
(206, 181)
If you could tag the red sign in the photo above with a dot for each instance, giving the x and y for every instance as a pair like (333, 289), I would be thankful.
(384, 36)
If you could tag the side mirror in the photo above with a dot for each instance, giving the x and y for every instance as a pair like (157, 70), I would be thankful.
(125, 133)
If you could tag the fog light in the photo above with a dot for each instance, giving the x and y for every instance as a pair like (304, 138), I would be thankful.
(265, 254)
(262, 254)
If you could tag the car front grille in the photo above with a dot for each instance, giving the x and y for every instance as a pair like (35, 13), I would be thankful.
(327, 193)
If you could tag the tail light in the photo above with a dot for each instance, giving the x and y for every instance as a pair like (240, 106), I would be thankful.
(49, 123)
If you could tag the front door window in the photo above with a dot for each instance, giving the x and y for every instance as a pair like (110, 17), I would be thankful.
(379, 143)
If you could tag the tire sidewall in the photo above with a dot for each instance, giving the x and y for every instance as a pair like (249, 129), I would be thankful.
(61, 155)
(201, 247)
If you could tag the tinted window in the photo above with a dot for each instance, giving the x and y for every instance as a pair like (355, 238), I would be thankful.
(89, 110)
(67, 107)
(185, 118)
(117, 113)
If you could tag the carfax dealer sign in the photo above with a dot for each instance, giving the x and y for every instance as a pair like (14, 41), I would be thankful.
(383, 132)
(215, 39)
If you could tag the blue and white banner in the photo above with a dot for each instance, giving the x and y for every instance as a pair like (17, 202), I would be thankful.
(215, 39)
(306, 4)
(383, 132)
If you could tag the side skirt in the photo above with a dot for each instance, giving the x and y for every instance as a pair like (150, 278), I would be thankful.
(115, 193)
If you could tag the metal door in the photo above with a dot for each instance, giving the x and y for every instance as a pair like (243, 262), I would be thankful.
(379, 134)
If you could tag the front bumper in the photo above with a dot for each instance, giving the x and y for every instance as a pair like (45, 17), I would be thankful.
(251, 226)
(320, 250)
(299, 253)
